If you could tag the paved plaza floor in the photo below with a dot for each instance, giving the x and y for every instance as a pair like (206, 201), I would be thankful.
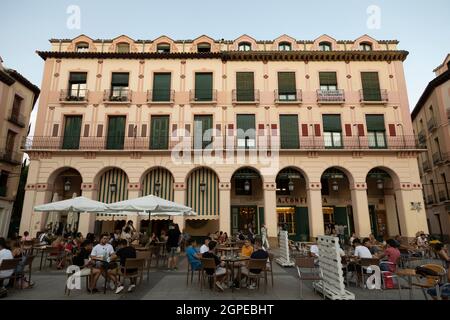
(171, 285)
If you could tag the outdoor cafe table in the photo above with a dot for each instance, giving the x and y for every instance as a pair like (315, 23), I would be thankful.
(104, 267)
(407, 273)
(230, 261)
(227, 250)
(42, 249)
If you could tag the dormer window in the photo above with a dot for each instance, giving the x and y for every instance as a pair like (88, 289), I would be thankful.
(365, 46)
(204, 47)
(123, 47)
(284, 46)
(325, 46)
(163, 48)
(244, 46)
(82, 47)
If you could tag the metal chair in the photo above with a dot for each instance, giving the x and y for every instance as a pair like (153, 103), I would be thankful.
(313, 274)
(190, 272)
(208, 264)
(147, 256)
(133, 264)
(256, 270)
(10, 264)
(269, 267)
(390, 275)
(430, 281)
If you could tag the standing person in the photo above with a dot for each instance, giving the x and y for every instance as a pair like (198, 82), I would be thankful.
(126, 234)
(265, 242)
(172, 245)
(5, 254)
(131, 226)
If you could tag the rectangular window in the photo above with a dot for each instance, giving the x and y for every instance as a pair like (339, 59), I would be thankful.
(332, 130)
(370, 86)
(289, 131)
(159, 133)
(17, 105)
(203, 86)
(286, 86)
(245, 88)
(202, 131)
(116, 132)
(161, 87)
(328, 81)
(4, 183)
(246, 133)
(72, 132)
(119, 86)
(77, 86)
(10, 143)
(376, 131)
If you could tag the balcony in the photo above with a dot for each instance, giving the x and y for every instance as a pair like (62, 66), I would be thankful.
(240, 96)
(426, 166)
(117, 95)
(11, 157)
(74, 96)
(17, 119)
(443, 196)
(437, 158)
(330, 96)
(373, 96)
(160, 96)
(199, 96)
(431, 124)
(283, 97)
(422, 138)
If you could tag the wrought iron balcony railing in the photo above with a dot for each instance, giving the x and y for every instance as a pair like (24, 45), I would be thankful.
(201, 95)
(426, 166)
(117, 95)
(369, 96)
(74, 95)
(330, 96)
(18, 119)
(245, 96)
(431, 124)
(160, 96)
(437, 159)
(284, 96)
(422, 138)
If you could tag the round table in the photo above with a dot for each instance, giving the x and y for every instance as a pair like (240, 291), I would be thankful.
(230, 261)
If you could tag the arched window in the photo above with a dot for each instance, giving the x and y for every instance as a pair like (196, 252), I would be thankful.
(204, 47)
(284, 46)
(244, 46)
(325, 46)
(82, 47)
(365, 46)
(163, 48)
(123, 47)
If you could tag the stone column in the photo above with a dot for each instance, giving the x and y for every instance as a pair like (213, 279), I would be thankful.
(225, 207)
(134, 191)
(86, 223)
(180, 198)
(30, 197)
(315, 213)
(270, 213)
(411, 209)
(360, 206)
(38, 219)
(391, 213)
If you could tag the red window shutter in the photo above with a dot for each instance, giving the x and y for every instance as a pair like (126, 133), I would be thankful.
(304, 129)
(274, 129)
(130, 131)
(317, 130)
(392, 132)
(100, 130)
(144, 130)
(361, 130)
(230, 129)
(261, 126)
(348, 130)
(86, 130)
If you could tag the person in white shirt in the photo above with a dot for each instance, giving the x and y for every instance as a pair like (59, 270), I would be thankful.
(5, 254)
(205, 248)
(103, 251)
(265, 242)
(314, 249)
(361, 251)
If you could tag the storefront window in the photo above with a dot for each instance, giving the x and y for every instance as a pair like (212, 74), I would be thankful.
(286, 217)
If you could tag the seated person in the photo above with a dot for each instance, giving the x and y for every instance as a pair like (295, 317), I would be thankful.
(442, 253)
(26, 236)
(103, 252)
(258, 253)
(444, 289)
(193, 254)
(247, 249)
(392, 254)
(81, 259)
(5, 254)
(205, 247)
(369, 245)
(125, 251)
(220, 271)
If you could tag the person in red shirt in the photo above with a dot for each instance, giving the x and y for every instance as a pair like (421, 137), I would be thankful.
(392, 254)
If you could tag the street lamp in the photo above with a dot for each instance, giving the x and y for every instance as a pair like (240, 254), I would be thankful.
(380, 184)
(291, 185)
(247, 185)
(67, 185)
(112, 187)
(335, 185)
(157, 187)
(202, 186)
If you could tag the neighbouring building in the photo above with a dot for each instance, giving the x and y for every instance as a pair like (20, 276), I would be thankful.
(431, 123)
(17, 99)
(246, 132)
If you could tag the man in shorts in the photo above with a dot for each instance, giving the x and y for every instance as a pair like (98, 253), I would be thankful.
(220, 271)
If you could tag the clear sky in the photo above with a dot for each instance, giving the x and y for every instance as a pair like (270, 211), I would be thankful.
(422, 27)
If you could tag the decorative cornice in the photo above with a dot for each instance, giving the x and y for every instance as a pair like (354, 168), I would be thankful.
(225, 186)
(88, 186)
(179, 186)
(270, 186)
(134, 186)
(359, 186)
(314, 186)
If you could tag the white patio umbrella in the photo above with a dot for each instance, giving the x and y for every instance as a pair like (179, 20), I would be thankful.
(72, 216)
(78, 204)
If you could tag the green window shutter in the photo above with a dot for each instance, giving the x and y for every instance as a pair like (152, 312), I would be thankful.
(340, 217)
(302, 224)
(77, 77)
(289, 131)
(161, 87)
(375, 122)
(286, 83)
(371, 86)
(245, 89)
(116, 132)
(72, 132)
(159, 137)
(331, 123)
(120, 79)
(246, 137)
(203, 86)
(201, 125)
(327, 78)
